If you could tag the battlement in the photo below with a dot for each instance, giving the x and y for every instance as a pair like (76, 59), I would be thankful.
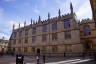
(83, 21)
(42, 22)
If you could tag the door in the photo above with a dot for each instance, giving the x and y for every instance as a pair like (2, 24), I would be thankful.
(38, 51)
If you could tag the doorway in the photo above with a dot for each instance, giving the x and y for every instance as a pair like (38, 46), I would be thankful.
(38, 51)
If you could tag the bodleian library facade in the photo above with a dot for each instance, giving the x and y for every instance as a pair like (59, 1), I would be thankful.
(57, 35)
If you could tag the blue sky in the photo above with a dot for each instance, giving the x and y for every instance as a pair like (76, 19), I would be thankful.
(17, 11)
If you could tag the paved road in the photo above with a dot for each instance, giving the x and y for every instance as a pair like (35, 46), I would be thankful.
(50, 60)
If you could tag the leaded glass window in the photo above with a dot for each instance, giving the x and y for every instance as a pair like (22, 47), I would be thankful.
(44, 28)
(86, 30)
(34, 30)
(54, 26)
(66, 24)
(33, 39)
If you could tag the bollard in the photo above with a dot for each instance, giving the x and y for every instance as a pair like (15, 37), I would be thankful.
(44, 59)
(83, 55)
(64, 54)
(37, 59)
(94, 54)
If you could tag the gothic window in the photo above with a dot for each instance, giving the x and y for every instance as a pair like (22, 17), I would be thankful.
(88, 44)
(66, 24)
(86, 30)
(54, 26)
(54, 36)
(44, 28)
(33, 39)
(34, 30)
(26, 40)
(26, 32)
(44, 37)
(67, 35)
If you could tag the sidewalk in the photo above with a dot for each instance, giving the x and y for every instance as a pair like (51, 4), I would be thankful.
(49, 60)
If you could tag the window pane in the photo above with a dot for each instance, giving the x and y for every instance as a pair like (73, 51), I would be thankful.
(44, 29)
(33, 39)
(66, 24)
(86, 30)
(26, 32)
(26, 40)
(44, 37)
(54, 36)
(33, 30)
(54, 26)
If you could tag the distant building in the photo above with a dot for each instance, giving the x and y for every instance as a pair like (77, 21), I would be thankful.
(93, 6)
(58, 35)
(3, 45)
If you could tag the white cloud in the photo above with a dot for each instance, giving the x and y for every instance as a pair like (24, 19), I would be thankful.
(84, 10)
(6, 37)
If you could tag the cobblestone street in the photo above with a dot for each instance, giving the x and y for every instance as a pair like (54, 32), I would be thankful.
(49, 60)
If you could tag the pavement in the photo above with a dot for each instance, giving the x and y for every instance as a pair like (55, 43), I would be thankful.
(49, 60)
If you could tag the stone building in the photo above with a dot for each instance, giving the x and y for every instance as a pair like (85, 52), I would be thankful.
(3, 45)
(88, 35)
(58, 35)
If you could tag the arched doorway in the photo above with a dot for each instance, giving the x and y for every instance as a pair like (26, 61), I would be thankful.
(88, 45)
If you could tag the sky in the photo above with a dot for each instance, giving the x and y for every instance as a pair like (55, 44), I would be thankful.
(19, 11)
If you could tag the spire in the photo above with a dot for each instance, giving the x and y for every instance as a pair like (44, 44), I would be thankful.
(71, 8)
(59, 13)
(31, 21)
(13, 26)
(3, 37)
(25, 23)
(48, 15)
(39, 19)
(19, 25)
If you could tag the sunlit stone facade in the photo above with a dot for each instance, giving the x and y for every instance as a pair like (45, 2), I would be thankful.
(54, 36)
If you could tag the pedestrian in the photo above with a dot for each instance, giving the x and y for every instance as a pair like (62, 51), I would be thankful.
(37, 58)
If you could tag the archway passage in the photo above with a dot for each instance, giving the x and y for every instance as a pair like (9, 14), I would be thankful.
(88, 45)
